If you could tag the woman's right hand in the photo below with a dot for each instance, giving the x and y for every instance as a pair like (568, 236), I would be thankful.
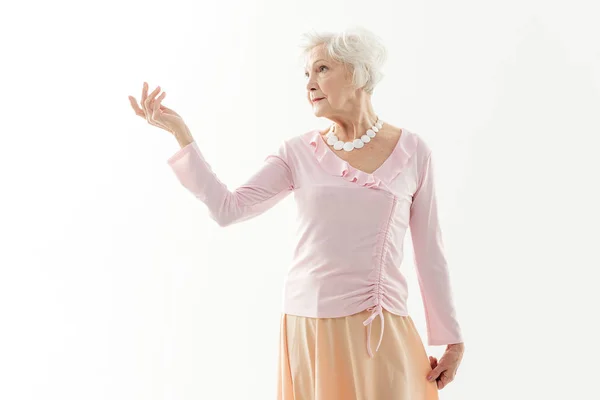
(155, 113)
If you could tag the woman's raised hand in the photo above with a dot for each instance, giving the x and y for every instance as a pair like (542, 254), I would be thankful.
(155, 113)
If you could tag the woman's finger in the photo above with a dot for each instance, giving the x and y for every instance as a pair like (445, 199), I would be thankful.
(150, 98)
(144, 102)
(444, 379)
(433, 361)
(144, 95)
(158, 100)
(136, 108)
(149, 103)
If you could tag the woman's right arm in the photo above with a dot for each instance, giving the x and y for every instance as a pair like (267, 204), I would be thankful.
(261, 191)
(270, 184)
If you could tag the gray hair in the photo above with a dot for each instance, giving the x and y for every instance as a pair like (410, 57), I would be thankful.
(356, 47)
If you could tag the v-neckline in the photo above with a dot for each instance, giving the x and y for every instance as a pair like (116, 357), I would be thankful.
(378, 169)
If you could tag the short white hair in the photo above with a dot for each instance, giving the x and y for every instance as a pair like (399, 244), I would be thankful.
(356, 47)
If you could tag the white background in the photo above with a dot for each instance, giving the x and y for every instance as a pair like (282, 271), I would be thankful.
(115, 283)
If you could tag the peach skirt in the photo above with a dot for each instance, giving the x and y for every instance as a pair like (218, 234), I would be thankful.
(327, 359)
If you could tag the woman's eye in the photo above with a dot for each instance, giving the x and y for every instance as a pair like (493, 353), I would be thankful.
(320, 70)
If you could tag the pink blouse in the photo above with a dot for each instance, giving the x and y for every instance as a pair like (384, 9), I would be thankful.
(350, 227)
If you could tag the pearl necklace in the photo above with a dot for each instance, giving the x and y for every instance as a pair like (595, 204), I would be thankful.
(337, 144)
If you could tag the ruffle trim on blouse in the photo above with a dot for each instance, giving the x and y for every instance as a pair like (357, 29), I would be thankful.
(385, 174)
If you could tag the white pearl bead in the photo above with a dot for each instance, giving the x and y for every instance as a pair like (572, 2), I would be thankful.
(331, 140)
(348, 146)
(358, 143)
(338, 145)
(376, 129)
(365, 138)
(371, 133)
(379, 124)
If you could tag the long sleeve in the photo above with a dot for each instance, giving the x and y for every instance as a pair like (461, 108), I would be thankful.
(430, 261)
(270, 184)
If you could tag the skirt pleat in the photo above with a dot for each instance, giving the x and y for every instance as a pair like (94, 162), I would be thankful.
(327, 359)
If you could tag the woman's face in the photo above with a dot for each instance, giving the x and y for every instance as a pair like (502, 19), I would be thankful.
(329, 80)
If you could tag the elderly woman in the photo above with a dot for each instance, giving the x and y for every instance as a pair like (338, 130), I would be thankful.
(359, 185)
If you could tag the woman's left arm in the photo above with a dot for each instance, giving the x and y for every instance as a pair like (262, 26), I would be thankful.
(433, 275)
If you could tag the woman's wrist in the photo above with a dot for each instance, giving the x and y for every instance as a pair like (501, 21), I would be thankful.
(183, 135)
(460, 346)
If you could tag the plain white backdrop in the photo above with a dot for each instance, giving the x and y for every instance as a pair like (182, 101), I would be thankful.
(114, 282)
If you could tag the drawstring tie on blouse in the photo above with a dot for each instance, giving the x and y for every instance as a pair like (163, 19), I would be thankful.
(377, 310)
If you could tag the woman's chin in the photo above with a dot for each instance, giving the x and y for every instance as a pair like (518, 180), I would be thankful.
(318, 111)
